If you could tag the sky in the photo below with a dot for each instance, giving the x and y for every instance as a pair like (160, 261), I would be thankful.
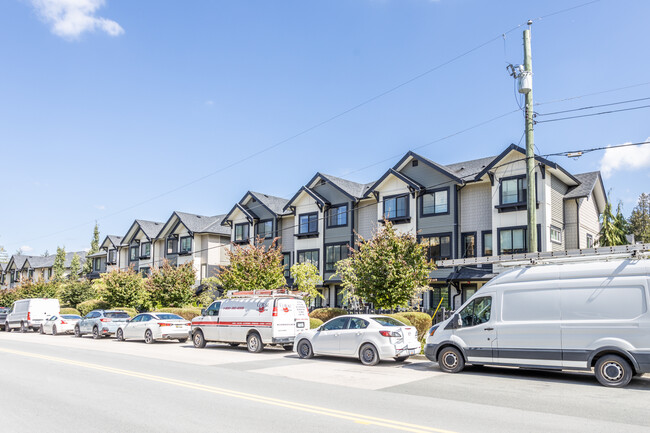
(112, 110)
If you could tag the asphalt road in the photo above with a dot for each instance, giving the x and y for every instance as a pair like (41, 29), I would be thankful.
(66, 384)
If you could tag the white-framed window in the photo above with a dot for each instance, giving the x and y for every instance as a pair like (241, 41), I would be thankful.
(590, 241)
(556, 235)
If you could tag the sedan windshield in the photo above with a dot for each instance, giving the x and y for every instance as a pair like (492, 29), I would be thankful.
(166, 316)
(387, 321)
(117, 315)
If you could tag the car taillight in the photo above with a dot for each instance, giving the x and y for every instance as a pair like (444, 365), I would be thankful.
(188, 324)
(390, 333)
(29, 316)
(164, 324)
(105, 319)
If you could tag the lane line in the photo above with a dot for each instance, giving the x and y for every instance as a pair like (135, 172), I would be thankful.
(350, 416)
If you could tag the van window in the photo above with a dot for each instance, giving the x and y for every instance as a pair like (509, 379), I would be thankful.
(476, 312)
(613, 303)
(524, 305)
(213, 310)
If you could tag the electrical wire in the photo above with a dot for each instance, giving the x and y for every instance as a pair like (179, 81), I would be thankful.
(593, 114)
(592, 107)
(570, 98)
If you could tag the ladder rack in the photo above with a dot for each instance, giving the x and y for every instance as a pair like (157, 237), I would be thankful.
(637, 251)
(277, 293)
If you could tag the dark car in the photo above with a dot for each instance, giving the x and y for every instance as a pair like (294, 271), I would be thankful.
(3, 316)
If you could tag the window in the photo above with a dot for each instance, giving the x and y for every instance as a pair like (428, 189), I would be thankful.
(264, 229)
(437, 294)
(396, 207)
(438, 246)
(469, 244)
(112, 254)
(338, 292)
(145, 271)
(145, 250)
(590, 241)
(337, 216)
(96, 265)
(513, 190)
(435, 202)
(476, 312)
(357, 323)
(186, 245)
(318, 301)
(556, 235)
(512, 241)
(172, 245)
(286, 262)
(241, 232)
(308, 223)
(334, 253)
(336, 324)
(213, 310)
(487, 243)
(133, 253)
(308, 256)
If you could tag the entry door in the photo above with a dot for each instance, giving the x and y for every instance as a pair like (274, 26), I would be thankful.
(477, 330)
(328, 339)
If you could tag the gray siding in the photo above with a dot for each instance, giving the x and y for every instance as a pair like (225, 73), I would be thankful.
(571, 224)
(365, 219)
(558, 190)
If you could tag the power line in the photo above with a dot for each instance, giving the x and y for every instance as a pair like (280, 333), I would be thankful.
(592, 106)
(573, 153)
(570, 98)
(593, 114)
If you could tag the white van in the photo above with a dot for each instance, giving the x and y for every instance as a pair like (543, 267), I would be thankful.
(574, 316)
(31, 313)
(255, 321)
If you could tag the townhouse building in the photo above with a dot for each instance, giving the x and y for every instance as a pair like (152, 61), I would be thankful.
(22, 268)
(137, 248)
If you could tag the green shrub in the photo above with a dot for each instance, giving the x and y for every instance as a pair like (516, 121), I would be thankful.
(399, 317)
(128, 310)
(421, 321)
(75, 292)
(86, 307)
(187, 313)
(70, 311)
(326, 314)
(314, 323)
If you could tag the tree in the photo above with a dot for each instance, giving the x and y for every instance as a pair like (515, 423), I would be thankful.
(58, 268)
(253, 267)
(4, 257)
(94, 247)
(640, 219)
(75, 292)
(611, 233)
(46, 253)
(306, 278)
(75, 267)
(123, 288)
(18, 252)
(388, 270)
(171, 286)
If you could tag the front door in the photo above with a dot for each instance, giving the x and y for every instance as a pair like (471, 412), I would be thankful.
(477, 330)
(131, 327)
(210, 325)
(352, 337)
(327, 339)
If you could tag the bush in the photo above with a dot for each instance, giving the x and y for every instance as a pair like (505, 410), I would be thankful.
(128, 310)
(326, 314)
(171, 286)
(75, 292)
(124, 288)
(401, 318)
(187, 313)
(8, 297)
(421, 321)
(92, 304)
(70, 311)
(314, 323)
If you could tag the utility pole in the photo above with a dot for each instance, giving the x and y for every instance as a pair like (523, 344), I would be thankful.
(526, 87)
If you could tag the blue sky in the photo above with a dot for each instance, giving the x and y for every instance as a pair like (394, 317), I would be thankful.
(107, 107)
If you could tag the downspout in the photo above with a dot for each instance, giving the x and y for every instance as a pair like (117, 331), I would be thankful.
(578, 221)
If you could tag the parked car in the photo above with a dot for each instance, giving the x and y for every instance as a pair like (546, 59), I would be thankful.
(154, 326)
(369, 337)
(577, 316)
(100, 323)
(28, 314)
(3, 316)
(255, 321)
(60, 324)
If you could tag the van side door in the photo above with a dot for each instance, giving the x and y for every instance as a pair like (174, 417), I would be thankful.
(476, 331)
(210, 323)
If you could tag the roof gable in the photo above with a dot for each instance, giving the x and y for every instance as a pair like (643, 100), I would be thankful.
(320, 201)
(440, 168)
(402, 177)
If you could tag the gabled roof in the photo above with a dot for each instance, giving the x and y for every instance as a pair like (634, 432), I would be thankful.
(392, 172)
(100, 253)
(441, 168)
(467, 170)
(273, 204)
(215, 227)
(589, 182)
(193, 223)
(320, 200)
(115, 240)
(149, 228)
(40, 261)
(353, 190)
(18, 260)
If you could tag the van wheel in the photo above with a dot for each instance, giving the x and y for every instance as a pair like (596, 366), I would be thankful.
(451, 360)
(254, 343)
(77, 332)
(96, 335)
(305, 350)
(7, 328)
(613, 371)
(198, 340)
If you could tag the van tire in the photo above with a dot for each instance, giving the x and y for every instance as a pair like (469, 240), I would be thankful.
(305, 350)
(368, 355)
(450, 360)
(254, 343)
(401, 358)
(198, 339)
(77, 332)
(613, 371)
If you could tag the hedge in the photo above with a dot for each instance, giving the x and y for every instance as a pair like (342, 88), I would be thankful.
(128, 310)
(326, 314)
(187, 313)
(421, 321)
(86, 307)
(70, 311)
(314, 323)
(399, 317)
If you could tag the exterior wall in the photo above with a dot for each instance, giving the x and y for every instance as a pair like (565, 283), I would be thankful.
(286, 235)
(390, 187)
(557, 191)
(571, 224)
(475, 207)
(240, 218)
(589, 220)
(365, 218)
(304, 205)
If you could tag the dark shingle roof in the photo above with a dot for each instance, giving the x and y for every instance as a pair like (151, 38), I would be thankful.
(116, 240)
(469, 169)
(356, 190)
(275, 204)
(587, 184)
(216, 226)
(195, 223)
(150, 228)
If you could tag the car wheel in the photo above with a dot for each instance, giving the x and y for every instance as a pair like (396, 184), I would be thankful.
(148, 337)
(77, 332)
(254, 343)
(305, 350)
(182, 340)
(451, 360)
(42, 330)
(368, 355)
(613, 371)
(401, 358)
(119, 334)
(198, 339)
(23, 328)
(96, 334)
(288, 347)
(53, 329)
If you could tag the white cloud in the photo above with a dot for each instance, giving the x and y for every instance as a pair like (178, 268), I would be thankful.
(100, 207)
(71, 18)
(209, 103)
(26, 249)
(625, 158)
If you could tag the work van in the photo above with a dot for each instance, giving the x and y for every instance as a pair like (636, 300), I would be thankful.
(30, 313)
(255, 321)
(574, 316)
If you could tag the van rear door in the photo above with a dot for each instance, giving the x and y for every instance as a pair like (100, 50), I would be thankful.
(291, 318)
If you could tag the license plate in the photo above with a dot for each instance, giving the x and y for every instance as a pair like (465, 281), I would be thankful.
(179, 326)
(413, 352)
(300, 324)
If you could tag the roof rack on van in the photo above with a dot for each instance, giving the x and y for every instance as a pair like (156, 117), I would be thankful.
(277, 293)
(636, 251)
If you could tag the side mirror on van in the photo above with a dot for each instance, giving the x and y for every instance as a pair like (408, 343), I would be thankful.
(202, 311)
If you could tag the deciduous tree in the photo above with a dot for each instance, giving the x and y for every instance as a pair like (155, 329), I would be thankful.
(640, 219)
(306, 278)
(253, 267)
(124, 288)
(171, 286)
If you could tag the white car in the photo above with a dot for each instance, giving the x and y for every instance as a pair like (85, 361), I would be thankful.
(60, 324)
(154, 326)
(369, 337)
